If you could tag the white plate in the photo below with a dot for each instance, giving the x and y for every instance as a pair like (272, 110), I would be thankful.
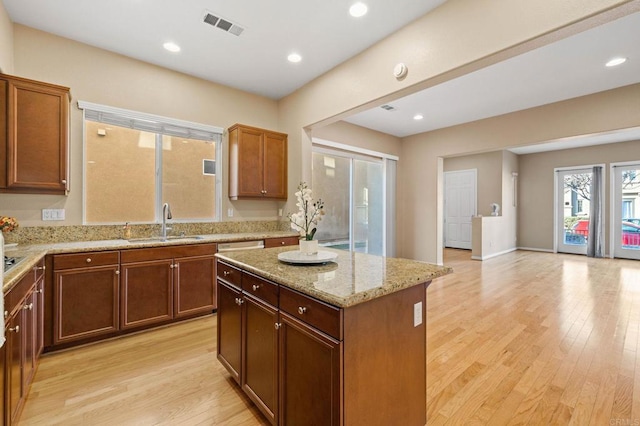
(297, 257)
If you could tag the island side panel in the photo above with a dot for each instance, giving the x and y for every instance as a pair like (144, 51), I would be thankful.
(385, 360)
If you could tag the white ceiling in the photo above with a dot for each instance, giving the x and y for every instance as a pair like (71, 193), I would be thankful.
(321, 31)
(325, 35)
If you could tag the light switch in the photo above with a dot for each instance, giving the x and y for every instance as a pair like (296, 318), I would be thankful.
(417, 314)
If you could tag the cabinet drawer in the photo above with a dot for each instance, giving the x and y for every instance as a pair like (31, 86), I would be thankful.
(281, 242)
(229, 274)
(320, 315)
(260, 288)
(83, 260)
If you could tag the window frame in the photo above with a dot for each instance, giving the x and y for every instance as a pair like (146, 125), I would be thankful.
(195, 131)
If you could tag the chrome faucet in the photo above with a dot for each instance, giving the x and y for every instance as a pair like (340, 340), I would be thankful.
(166, 214)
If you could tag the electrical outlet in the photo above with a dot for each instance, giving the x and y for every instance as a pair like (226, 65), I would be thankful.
(230, 212)
(53, 214)
(417, 314)
(280, 212)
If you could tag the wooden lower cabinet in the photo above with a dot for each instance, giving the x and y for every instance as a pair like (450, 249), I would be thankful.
(147, 293)
(360, 365)
(310, 378)
(86, 298)
(22, 346)
(164, 283)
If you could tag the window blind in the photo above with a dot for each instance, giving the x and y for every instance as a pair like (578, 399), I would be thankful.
(149, 122)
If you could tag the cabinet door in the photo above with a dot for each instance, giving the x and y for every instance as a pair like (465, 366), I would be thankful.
(310, 375)
(275, 165)
(85, 302)
(29, 318)
(14, 353)
(230, 328)
(194, 285)
(147, 293)
(37, 137)
(250, 163)
(260, 360)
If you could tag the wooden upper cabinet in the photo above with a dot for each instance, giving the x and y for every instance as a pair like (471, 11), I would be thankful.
(257, 163)
(34, 136)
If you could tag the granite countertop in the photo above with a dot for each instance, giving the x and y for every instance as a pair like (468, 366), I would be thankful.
(33, 253)
(351, 279)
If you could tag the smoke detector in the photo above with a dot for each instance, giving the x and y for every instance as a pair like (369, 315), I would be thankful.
(388, 107)
(222, 23)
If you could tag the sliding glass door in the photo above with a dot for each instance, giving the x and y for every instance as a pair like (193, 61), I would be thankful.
(573, 192)
(626, 211)
(352, 187)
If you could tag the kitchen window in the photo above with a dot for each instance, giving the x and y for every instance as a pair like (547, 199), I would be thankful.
(134, 162)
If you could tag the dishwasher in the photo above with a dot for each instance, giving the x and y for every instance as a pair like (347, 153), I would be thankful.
(240, 245)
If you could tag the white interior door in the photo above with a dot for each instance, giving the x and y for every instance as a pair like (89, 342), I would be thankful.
(460, 206)
(626, 211)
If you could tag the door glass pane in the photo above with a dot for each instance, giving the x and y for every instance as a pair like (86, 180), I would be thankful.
(577, 188)
(630, 224)
(331, 183)
(368, 199)
(120, 174)
(186, 186)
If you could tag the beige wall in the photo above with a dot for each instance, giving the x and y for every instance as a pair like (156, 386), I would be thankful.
(361, 137)
(6, 41)
(536, 178)
(98, 76)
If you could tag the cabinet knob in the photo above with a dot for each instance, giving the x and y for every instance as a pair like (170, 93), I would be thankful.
(16, 329)
(39, 268)
(226, 273)
(88, 260)
(117, 272)
(28, 307)
(40, 290)
(281, 243)
(64, 181)
(255, 287)
(278, 325)
(302, 310)
(239, 301)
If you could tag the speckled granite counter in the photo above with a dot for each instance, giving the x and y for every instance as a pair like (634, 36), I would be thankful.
(31, 254)
(351, 279)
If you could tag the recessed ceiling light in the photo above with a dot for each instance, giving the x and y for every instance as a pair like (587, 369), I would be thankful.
(171, 47)
(358, 9)
(294, 57)
(418, 117)
(616, 61)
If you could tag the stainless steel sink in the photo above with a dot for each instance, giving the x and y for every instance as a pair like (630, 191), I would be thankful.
(169, 238)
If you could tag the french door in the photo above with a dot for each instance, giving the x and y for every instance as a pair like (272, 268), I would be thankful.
(573, 194)
(626, 211)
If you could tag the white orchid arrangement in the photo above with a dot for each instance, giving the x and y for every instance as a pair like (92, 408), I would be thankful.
(309, 214)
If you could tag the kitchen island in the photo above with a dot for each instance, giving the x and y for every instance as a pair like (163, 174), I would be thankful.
(340, 343)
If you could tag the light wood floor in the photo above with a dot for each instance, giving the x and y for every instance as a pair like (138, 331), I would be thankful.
(534, 338)
(524, 338)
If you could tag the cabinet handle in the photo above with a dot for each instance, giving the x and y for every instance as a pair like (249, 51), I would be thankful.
(226, 273)
(40, 290)
(16, 329)
(88, 260)
(239, 301)
(28, 307)
(117, 272)
(278, 325)
(302, 310)
(39, 268)
(64, 181)
(255, 287)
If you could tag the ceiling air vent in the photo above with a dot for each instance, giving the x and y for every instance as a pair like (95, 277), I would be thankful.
(222, 23)
(388, 107)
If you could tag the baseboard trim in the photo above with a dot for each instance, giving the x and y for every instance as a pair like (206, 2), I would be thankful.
(494, 254)
(536, 249)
